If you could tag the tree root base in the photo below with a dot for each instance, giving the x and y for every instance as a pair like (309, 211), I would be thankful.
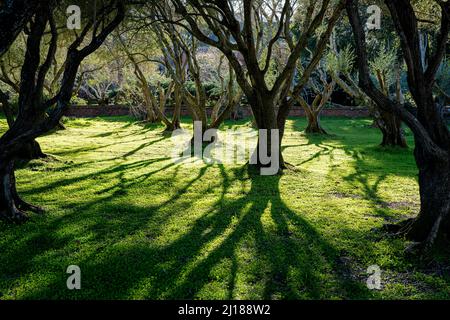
(316, 130)
(12, 207)
(394, 145)
(14, 216)
(171, 129)
(399, 229)
(18, 213)
(405, 228)
(22, 205)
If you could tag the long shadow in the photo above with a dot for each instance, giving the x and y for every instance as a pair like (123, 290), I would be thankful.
(371, 168)
(357, 140)
(120, 168)
(142, 146)
(265, 246)
(286, 257)
(101, 216)
(76, 151)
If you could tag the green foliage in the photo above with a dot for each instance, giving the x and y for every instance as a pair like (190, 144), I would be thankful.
(384, 62)
(341, 62)
(78, 101)
(212, 88)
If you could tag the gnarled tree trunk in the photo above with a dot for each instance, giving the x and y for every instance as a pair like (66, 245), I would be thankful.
(243, 47)
(18, 143)
(176, 124)
(389, 123)
(12, 207)
(263, 108)
(314, 110)
(432, 137)
(434, 216)
(314, 125)
(29, 151)
(391, 128)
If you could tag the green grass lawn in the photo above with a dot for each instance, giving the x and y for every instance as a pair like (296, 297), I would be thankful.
(141, 227)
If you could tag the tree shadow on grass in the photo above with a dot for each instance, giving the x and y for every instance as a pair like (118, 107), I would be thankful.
(95, 147)
(250, 244)
(370, 158)
(106, 217)
(290, 256)
(117, 169)
(376, 162)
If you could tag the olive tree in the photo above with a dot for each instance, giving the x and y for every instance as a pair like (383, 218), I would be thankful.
(31, 121)
(247, 32)
(431, 133)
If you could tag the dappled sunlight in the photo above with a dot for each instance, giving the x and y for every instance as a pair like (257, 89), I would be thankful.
(224, 150)
(141, 226)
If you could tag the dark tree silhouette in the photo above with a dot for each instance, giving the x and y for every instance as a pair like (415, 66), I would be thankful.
(432, 136)
(14, 14)
(32, 121)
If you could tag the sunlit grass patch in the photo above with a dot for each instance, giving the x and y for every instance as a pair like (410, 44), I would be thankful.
(141, 227)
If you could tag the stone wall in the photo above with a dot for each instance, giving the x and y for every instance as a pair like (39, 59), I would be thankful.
(86, 111)
(92, 111)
